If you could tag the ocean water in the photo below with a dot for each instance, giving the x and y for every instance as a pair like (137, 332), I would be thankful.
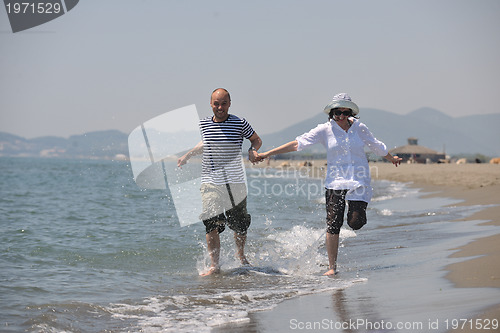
(83, 249)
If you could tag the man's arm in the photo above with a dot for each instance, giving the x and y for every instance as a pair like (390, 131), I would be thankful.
(198, 149)
(255, 144)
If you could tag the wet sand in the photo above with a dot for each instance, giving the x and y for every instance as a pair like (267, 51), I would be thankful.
(475, 184)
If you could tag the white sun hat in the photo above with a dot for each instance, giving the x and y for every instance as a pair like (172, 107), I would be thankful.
(342, 100)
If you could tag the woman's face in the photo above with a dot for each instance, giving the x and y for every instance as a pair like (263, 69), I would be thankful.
(341, 114)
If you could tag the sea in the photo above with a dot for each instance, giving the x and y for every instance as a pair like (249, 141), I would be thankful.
(84, 249)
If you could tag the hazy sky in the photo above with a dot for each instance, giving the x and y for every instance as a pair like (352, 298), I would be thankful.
(113, 64)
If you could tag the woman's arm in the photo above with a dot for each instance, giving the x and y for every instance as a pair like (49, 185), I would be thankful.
(310, 138)
(378, 147)
(286, 148)
(375, 145)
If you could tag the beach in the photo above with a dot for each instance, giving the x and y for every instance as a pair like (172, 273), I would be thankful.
(477, 263)
(475, 184)
(74, 230)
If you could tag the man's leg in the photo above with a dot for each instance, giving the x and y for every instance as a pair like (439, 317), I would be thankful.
(213, 245)
(214, 221)
(238, 218)
(240, 247)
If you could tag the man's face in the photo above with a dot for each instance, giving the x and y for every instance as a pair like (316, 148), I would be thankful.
(220, 104)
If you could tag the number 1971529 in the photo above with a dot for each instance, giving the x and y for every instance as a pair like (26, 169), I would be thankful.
(479, 324)
(32, 8)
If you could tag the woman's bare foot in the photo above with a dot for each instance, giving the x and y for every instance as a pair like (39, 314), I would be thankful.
(330, 272)
(211, 270)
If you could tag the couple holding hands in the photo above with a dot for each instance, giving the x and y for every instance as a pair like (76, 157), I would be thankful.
(223, 181)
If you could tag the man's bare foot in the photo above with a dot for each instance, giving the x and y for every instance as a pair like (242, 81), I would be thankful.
(212, 270)
(330, 272)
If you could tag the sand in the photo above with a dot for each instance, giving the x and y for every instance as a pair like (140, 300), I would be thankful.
(475, 184)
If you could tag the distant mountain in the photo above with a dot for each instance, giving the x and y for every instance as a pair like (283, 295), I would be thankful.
(99, 145)
(477, 134)
(434, 129)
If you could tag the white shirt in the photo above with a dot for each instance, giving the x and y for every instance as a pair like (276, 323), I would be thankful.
(347, 165)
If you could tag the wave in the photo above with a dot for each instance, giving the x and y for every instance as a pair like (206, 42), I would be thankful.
(207, 309)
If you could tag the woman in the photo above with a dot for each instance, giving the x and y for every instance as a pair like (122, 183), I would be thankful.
(348, 174)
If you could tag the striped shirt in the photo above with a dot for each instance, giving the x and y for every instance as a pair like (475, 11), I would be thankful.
(222, 162)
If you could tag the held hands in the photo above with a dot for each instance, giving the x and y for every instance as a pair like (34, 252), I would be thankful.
(262, 156)
(255, 157)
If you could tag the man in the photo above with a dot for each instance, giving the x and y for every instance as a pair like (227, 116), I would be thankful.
(223, 186)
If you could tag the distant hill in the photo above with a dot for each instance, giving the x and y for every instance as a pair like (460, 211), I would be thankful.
(99, 145)
(477, 134)
(434, 129)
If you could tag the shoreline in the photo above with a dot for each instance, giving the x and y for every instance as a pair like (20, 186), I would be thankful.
(474, 184)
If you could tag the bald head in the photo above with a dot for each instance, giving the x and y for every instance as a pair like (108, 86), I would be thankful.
(220, 92)
(220, 103)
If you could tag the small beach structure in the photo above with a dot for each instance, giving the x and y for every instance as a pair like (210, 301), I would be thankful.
(413, 153)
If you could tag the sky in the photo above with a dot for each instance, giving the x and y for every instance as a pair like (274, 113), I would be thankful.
(114, 64)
